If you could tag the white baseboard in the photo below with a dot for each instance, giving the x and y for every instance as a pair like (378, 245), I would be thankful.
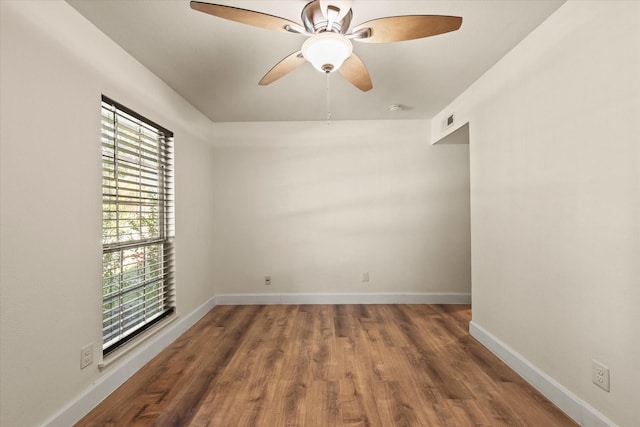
(116, 375)
(580, 411)
(382, 298)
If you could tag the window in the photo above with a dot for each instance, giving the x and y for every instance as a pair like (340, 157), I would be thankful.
(137, 224)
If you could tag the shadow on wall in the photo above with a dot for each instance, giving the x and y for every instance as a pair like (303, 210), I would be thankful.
(457, 137)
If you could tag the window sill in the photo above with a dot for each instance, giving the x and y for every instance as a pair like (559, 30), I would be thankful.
(135, 343)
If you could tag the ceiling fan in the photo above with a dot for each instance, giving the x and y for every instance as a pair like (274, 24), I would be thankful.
(328, 47)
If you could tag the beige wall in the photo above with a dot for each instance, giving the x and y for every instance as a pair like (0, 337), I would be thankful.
(555, 200)
(54, 67)
(316, 205)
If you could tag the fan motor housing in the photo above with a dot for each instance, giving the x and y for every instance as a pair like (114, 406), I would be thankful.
(314, 21)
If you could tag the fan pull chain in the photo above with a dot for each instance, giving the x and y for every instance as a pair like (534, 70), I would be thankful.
(328, 98)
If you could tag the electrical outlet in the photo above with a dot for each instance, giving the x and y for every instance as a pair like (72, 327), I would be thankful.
(365, 276)
(267, 280)
(600, 375)
(86, 356)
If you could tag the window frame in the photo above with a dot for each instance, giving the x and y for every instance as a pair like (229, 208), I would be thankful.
(149, 240)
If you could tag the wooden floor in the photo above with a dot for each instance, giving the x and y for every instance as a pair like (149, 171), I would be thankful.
(327, 365)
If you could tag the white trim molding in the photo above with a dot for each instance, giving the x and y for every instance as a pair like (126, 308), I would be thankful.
(580, 411)
(355, 298)
(114, 376)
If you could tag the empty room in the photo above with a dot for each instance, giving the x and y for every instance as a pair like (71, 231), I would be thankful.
(319, 213)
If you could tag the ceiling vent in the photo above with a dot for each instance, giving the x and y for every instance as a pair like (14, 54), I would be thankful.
(448, 121)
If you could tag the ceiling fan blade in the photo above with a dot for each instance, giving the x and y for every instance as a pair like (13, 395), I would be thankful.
(354, 70)
(244, 16)
(283, 68)
(409, 27)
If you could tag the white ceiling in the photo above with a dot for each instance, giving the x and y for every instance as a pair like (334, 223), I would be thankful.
(216, 64)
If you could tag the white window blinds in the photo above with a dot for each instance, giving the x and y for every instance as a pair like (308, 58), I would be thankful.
(137, 224)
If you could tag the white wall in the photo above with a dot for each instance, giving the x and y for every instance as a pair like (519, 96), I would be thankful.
(316, 205)
(54, 67)
(555, 200)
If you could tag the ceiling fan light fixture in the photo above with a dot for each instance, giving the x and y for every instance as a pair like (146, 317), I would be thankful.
(327, 51)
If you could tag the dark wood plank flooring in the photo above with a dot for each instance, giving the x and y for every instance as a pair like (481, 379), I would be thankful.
(327, 365)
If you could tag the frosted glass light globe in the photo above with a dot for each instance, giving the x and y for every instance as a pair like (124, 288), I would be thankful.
(327, 51)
